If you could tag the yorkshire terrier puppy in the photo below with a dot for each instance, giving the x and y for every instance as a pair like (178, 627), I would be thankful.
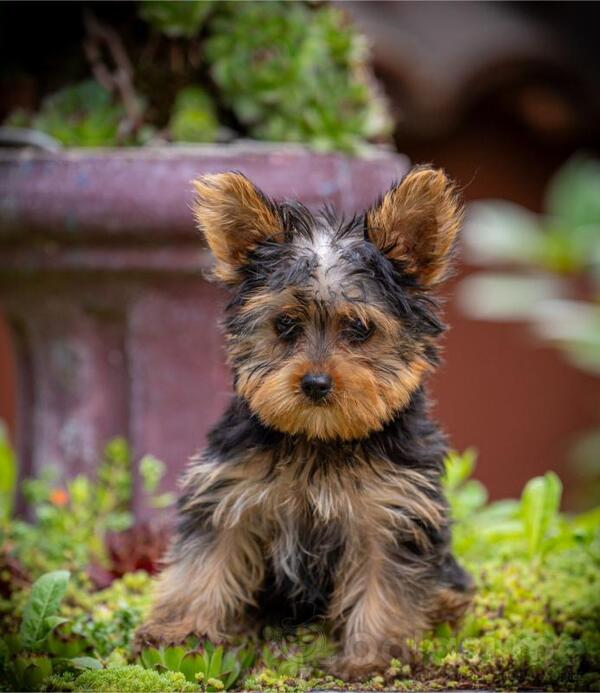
(318, 495)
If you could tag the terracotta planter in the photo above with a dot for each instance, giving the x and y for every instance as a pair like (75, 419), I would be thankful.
(101, 280)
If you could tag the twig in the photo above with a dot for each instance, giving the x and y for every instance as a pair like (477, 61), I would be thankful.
(120, 79)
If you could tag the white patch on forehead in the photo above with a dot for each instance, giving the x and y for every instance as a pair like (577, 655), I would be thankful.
(324, 250)
(329, 269)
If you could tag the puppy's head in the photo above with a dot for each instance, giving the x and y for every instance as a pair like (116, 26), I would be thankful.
(332, 325)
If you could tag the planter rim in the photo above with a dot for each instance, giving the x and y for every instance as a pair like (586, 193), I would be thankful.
(192, 151)
(55, 203)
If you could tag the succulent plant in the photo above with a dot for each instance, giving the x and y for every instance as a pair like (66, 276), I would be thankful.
(83, 115)
(291, 72)
(209, 666)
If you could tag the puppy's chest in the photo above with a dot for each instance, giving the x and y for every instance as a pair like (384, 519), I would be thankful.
(312, 492)
(306, 535)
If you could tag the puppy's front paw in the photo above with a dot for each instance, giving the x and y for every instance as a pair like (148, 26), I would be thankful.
(356, 669)
(154, 633)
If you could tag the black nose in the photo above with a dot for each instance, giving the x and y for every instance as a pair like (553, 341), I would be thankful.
(316, 386)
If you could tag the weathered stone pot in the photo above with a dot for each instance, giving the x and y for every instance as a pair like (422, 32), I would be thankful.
(101, 279)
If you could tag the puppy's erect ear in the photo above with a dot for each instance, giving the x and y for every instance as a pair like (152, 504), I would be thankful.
(416, 222)
(234, 217)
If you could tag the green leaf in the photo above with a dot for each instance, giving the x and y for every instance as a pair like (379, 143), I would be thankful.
(459, 468)
(151, 471)
(53, 622)
(215, 663)
(151, 657)
(45, 598)
(573, 195)
(192, 664)
(540, 503)
(85, 663)
(8, 474)
(32, 672)
(172, 657)
(230, 678)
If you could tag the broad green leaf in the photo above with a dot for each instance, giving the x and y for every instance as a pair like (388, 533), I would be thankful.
(150, 657)
(588, 522)
(246, 657)
(540, 503)
(192, 643)
(45, 598)
(468, 498)
(53, 622)
(172, 657)
(192, 664)
(230, 678)
(215, 662)
(209, 648)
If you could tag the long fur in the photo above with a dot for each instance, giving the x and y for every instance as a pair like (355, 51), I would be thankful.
(332, 510)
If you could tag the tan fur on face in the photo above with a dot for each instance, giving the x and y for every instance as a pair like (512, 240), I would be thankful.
(234, 217)
(417, 222)
(370, 381)
(359, 402)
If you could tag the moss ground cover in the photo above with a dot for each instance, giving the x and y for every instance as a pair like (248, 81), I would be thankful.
(535, 622)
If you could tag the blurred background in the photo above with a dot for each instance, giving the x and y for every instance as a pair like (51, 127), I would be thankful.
(504, 96)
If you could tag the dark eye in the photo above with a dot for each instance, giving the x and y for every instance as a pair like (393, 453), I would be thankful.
(287, 327)
(357, 331)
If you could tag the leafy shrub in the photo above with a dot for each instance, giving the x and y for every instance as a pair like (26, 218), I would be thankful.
(72, 517)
